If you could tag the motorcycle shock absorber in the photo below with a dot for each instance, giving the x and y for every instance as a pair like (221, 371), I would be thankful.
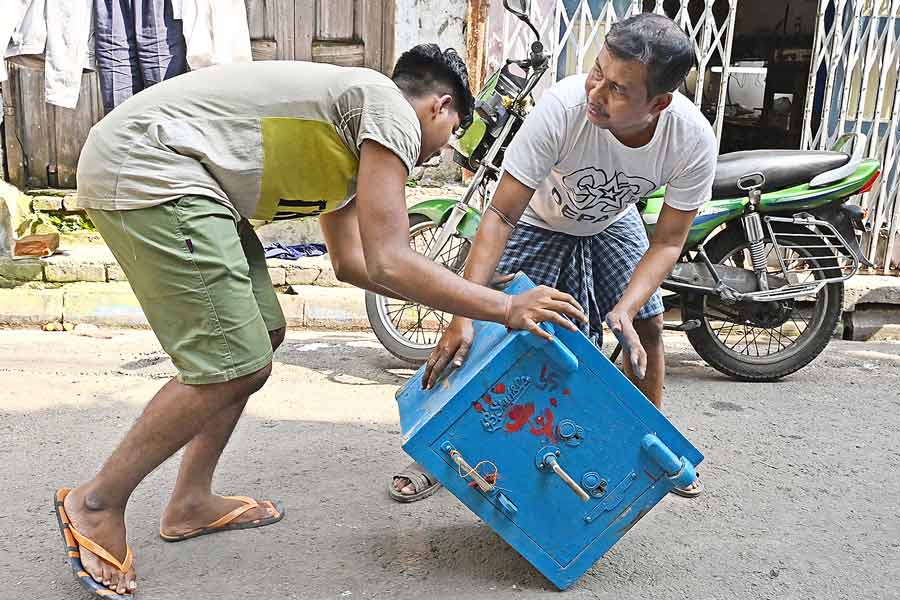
(753, 227)
(754, 230)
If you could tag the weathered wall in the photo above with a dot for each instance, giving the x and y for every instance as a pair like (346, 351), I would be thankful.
(439, 21)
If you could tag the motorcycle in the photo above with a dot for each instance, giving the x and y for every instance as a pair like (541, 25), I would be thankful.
(760, 283)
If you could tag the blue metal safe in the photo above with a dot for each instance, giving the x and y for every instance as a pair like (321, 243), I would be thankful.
(547, 442)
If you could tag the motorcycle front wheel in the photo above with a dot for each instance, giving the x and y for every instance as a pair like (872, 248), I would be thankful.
(407, 329)
(752, 341)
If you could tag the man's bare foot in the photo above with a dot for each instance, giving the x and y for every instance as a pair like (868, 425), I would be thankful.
(183, 516)
(412, 483)
(106, 527)
(404, 486)
(690, 491)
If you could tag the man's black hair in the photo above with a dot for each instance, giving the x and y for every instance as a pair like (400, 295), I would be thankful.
(657, 42)
(425, 69)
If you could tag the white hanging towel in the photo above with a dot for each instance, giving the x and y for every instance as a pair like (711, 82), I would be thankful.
(61, 30)
(216, 32)
(23, 30)
(69, 43)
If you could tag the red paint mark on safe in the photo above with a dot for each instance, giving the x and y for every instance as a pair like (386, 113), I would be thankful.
(490, 478)
(546, 425)
(519, 415)
(566, 392)
(499, 388)
(488, 399)
(478, 407)
(554, 402)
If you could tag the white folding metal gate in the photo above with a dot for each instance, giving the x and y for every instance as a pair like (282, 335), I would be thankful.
(854, 87)
(853, 82)
(572, 31)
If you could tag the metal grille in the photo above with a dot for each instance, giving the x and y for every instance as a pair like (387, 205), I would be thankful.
(853, 77)
(853, 84)
(572, 32)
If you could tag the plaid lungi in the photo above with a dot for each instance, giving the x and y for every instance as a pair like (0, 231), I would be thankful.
(595, 269)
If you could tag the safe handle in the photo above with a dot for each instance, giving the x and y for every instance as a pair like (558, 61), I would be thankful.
(555, 350)
(483, 483)
(551, 461)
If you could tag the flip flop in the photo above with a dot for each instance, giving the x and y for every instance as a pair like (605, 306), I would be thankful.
(226, 522)
(72, 538)
(421, 480)
(690, 493)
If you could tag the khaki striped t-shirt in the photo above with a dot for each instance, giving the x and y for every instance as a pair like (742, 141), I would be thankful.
(273, 140)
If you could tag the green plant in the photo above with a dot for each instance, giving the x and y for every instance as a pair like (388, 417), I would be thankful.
(60, 222)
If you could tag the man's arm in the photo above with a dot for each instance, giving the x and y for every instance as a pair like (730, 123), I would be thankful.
(665, 248)
(341, 231)
(392, 264)
(511, 198)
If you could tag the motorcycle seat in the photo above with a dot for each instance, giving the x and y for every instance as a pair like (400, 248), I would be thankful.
(782, 168)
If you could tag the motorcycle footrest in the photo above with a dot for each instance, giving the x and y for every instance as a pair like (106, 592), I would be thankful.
(686, 326)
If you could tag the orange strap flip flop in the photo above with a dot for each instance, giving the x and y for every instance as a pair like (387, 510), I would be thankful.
(73, 538)
(226, 522)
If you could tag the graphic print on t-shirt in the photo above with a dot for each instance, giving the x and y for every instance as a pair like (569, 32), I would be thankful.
(595, 197)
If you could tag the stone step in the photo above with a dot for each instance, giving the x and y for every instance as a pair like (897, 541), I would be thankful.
(95, 264)
(114, 305)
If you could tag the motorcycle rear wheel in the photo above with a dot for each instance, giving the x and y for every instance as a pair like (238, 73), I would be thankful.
(731, 343)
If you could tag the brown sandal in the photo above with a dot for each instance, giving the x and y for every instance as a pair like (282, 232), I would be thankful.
(690, 493)
(421, 480)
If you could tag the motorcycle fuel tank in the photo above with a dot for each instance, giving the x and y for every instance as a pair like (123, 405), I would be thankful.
(547, 442)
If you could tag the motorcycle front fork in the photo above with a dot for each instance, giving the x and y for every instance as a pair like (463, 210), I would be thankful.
(460, 209)
(447, 229)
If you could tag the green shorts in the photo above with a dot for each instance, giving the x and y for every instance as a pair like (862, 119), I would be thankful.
(199, 273)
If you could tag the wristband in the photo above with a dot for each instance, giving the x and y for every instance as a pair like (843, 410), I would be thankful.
(507, 311)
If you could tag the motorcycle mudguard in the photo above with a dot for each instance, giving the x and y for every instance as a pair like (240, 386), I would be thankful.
(438, 209)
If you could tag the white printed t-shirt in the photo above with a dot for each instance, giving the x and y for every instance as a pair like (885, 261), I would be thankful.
(585, 179)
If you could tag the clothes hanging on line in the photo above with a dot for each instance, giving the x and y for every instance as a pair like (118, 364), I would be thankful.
(216, 31)
(136, 42)
(60, 31)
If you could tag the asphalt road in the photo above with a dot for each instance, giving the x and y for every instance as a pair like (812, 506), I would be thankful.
(802, 483)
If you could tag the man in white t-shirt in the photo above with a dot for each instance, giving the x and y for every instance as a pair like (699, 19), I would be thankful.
(564, 211)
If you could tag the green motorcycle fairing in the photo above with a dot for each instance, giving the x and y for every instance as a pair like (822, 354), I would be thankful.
(803, 197)
(711, 215)
(474, 133)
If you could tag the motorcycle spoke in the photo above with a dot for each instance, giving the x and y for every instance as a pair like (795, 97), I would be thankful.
(731, 325)
(754, 341)
(742, 339)
(780, 337)
(799, 329)
(402, 307)
(399, 312)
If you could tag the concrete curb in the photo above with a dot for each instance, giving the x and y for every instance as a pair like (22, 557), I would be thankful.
(114, 305)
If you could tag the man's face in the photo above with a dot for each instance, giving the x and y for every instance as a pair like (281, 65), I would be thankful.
(617, 94)
(438, 124)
